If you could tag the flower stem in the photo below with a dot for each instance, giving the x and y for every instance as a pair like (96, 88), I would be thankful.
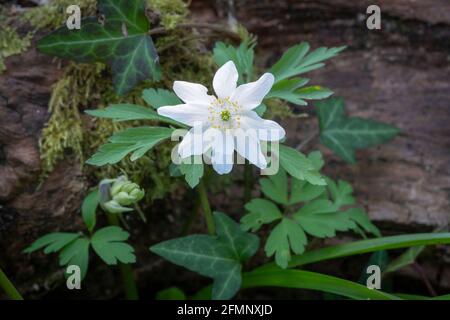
(129, 284)
(248, 181)
(206, 208)
(9, 288)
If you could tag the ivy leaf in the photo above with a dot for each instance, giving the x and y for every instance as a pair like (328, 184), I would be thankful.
(218, 257)
(136, 141)
(160, 97)
(109, 244)
(286, 236)
(122, 42)
(242, 57)
(275, 187)
(192, 169)
(89, 209)
(300, 166)
(296, 60)
(343, 135)
(319, 219)
(52, 242)
(126, 112)
(261, 212)
(76, 253)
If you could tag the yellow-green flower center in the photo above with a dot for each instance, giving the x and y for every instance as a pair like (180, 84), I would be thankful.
(225, 115)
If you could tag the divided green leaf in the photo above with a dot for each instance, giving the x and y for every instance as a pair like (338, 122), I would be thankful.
(76, 253)
(160, 97)
(121, 40)
(192, 169)
(109, 244)
(242, 57)
(136, 141)
(126, 112)
(343, 135)
(218, 257)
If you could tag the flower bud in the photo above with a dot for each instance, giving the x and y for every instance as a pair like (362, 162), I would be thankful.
(113, 207)
(120, 193)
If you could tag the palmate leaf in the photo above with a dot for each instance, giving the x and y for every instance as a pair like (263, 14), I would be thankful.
(242, 57)
(296, 60)
(52, 242)
(76, 253)
(275, 187)
(192, 169)
(109, 244)
(122, 42)
(126, 112)
(343, 135)
(160, 97)
(218, 257)
(136, 141)
(262, 211)
(300, 166)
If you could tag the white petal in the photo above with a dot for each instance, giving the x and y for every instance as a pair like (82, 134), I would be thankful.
(185, 113)
(248, 146)
(192, 143)
(222, 153)
(268, 130)
(192, 92)
(225, 80)
(250, 95)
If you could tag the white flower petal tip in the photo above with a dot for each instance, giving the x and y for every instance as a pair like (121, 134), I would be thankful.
(251, 95)
(192, 92)
(225, 80)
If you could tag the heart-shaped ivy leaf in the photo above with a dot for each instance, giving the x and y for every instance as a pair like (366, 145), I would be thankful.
(121, 41)
(218, 257)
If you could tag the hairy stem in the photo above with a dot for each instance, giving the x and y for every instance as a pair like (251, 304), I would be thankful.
(129, 284)
(9, 288)
(206, 208)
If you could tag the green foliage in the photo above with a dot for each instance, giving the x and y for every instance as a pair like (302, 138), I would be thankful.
(122, 41)
(322, 212)
(109, 244)
(344, 134)
(137, 141)
(127, 112)
(405, 259)
(73, 248)
(89, 209)
(300, 166)
(192, 169)
(242, 57)
(218, 257)
(160, 97)
(296, 60)
(11, 43)
(172, 293)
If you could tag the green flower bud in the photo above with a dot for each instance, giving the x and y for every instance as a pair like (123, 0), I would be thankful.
(113, 207)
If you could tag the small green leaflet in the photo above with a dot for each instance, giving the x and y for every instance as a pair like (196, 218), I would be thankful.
(121, 41)
(73, 248)
(109, 244)
(296, 60)
(275, 187)
(136, 141)
(160, 97)
(192, 169)
(300, 166)
(286, 236)
(242, 57)
(89, 209)
(126, 112)
(343, 135)
(289, 90)
(262, 211)
(218, 257)
(405, 259)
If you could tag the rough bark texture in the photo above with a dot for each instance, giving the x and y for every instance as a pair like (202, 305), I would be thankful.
(398, 75)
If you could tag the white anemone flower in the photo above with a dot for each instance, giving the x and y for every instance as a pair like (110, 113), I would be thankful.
(224, 123)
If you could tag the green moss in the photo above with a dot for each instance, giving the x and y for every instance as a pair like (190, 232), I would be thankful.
(11, 43)
(171, 12)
